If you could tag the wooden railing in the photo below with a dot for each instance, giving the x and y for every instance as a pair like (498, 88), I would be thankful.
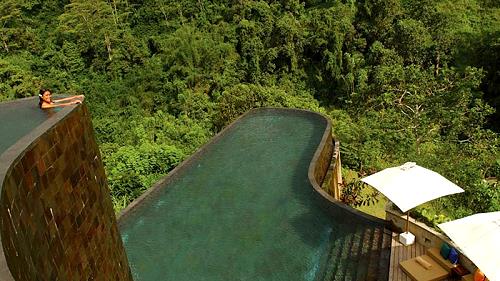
(336, 182)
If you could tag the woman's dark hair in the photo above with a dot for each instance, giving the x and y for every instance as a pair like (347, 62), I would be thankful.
(40, 96)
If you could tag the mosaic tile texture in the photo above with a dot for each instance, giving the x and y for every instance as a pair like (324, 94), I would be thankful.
(56, 217)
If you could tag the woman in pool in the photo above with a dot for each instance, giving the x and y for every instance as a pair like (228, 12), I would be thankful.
(46, 101)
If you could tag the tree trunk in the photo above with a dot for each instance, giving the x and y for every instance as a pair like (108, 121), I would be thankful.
(436, 66)
(108, 45)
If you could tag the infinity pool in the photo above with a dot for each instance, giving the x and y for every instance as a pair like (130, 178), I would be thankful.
(17, 119)
(20, 117)
(243, 209)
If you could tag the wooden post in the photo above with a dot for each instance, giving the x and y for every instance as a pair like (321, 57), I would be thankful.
(334, 184)
(407, 221)
(336, 173)
(339, 168)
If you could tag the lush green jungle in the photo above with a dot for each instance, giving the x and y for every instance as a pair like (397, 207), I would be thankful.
(402, 80)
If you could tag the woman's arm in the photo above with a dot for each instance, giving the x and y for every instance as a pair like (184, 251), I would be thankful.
(80, 97)
(48, 105)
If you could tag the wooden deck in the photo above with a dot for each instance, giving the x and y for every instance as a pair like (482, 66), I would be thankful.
(399, 252)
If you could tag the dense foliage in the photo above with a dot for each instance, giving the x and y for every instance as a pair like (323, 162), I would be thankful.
(402, 80)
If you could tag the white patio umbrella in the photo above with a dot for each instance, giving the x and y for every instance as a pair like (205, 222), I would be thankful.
(478, 236)
(410, 185)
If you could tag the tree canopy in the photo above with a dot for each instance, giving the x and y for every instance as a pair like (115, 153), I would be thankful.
(402, 80)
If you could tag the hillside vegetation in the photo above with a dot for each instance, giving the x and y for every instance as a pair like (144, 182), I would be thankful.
(402, 80)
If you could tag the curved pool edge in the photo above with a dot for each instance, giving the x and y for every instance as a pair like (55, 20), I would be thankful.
(173, 174)
(13, 154)
(351, 227)
(317, 171)
(56, 204)
(17, 150)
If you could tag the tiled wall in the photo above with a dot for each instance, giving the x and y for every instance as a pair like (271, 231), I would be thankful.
(324, 159)
(56, 216)
(337, 209)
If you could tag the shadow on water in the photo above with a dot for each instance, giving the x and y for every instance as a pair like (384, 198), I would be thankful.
(305, 193)
(315, 216)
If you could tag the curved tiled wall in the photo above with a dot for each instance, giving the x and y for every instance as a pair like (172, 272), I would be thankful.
(317, 171)
(56, 217)
(360, 240)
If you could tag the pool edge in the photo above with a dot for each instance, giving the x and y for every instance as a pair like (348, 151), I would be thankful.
(312, 170)
(58, 157)
(14, 153)
(316, 183)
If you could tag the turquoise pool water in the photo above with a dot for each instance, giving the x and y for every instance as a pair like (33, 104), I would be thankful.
(245, 210)
(18, 118)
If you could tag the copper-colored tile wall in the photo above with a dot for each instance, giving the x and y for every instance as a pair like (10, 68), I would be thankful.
(324, 160)
(56, 216)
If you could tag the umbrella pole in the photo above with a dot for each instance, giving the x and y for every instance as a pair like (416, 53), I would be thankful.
(407, 221)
